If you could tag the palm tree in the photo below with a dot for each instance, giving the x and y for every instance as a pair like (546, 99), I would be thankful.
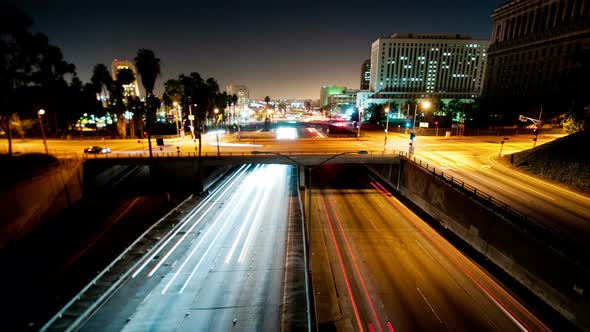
(102, 80)
(148, 67)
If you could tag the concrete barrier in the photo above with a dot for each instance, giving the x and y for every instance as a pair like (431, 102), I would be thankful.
(26, 204)
(550, 275)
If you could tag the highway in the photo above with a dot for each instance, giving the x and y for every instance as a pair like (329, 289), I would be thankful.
(376, 266)
(220, 269)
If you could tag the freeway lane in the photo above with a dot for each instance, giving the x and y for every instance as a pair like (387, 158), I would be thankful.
(221, 269)
(392, 271)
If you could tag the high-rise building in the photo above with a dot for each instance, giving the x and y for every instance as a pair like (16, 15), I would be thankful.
(326, 91)
(241, 91)
(129, 90)
(415, 65)
(365, 74)
(538, 48)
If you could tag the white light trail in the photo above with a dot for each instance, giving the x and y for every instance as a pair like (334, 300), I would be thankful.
(186, 219)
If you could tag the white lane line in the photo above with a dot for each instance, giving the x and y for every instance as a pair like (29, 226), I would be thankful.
(429, 305)
(508, 314)
(248, 217)
(240, 198)
(183, 222)
(193, 226)
(424, 249)
(255, 223)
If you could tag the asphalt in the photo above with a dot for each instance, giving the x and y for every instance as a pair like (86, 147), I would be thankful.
(223, 270)
(381, 268)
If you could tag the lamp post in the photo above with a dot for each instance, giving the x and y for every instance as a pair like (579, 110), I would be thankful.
(39, 114)
(216, 131)
(175, 104)
(425, 105)
(386, 128)
(358, 133)
(307, 226)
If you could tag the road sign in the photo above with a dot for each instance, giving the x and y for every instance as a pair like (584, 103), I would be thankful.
(191, 117)
(423, 124)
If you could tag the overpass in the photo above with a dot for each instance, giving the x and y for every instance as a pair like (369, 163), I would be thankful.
(251, 157)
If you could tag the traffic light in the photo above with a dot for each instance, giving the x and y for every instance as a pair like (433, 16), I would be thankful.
(412, 136)
(536, 132)
(436, 123)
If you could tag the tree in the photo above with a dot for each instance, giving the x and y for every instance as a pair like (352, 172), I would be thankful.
(375, 113)
(148, 67)
(31, 74)
(102, 80)
(125, 76)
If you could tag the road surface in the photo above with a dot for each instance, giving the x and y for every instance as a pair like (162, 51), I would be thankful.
(222, 269)
(376, 266)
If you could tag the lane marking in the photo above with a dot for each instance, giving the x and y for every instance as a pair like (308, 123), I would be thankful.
(500, 304)
(219, 217)
(183, 222)
(429, 305)
(346, 281)
(237, 196)
(358, 272)
(187, 232)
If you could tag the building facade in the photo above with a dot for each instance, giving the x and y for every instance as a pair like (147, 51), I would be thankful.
(413, 65)
(129, 90)
(538, 48)
(326, 91)
(365, 74)
(341, 100)
(241, 91)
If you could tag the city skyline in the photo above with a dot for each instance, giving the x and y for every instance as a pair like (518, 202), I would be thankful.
(282, 51)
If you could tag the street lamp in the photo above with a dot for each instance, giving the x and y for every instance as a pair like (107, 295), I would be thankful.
(358, 133)
(175, 104)
(39, 114)
(425, 105)
(306, 230)
(386, 127)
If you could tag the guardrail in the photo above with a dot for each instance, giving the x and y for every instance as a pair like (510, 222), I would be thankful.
(111, 155)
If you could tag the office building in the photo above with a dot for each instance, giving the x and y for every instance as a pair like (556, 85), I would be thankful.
(365, 74)
(129, 90)
(538, 49)
(326, 91)
(415, 65)
(241, 91)
(346, 98)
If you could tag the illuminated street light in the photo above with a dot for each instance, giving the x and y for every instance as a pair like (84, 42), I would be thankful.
(386, 127)
(39, 114)
(425, 105)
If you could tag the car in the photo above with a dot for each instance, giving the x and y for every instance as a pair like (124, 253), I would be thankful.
(97, 149)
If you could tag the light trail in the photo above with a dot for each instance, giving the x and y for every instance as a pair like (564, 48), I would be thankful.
(358, 272)
(221, 215)
(185, 220)
(193, 226)
(503, 307)
(346, 281)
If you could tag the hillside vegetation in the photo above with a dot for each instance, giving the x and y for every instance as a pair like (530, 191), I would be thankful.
(566, 160)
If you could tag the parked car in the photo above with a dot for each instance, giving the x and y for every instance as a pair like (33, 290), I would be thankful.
(97, 149)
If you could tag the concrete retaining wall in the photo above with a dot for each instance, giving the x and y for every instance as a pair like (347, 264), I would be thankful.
(547, 273)
(25, 205)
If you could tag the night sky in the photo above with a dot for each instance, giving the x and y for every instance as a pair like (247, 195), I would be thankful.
(277, 48)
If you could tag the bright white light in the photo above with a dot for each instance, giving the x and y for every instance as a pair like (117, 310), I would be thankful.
(286, 133)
